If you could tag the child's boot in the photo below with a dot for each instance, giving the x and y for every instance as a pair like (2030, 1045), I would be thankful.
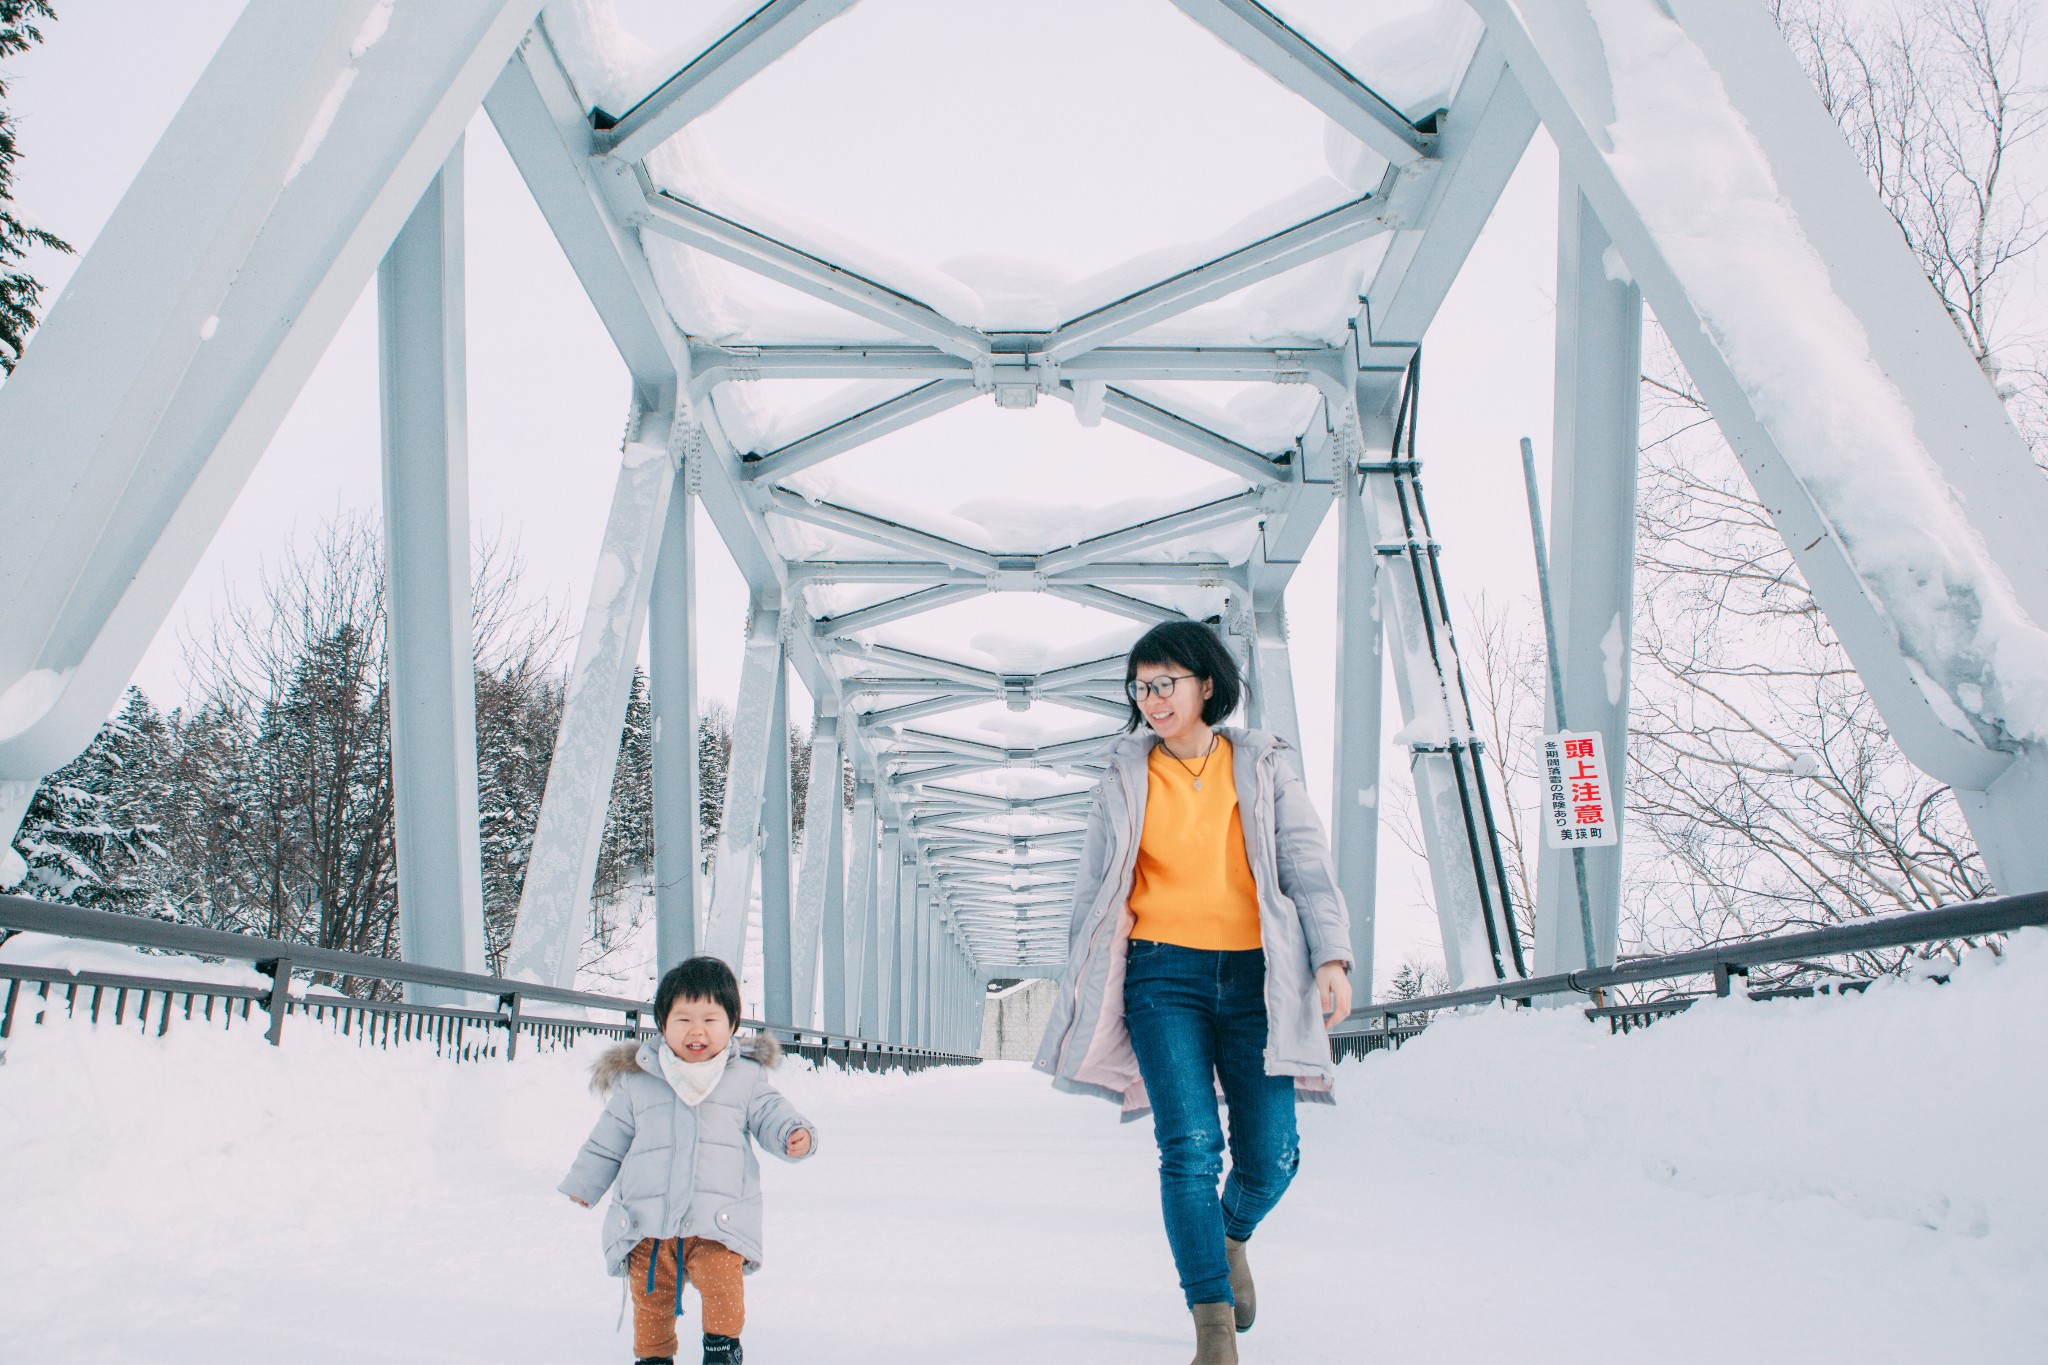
(720, 1350)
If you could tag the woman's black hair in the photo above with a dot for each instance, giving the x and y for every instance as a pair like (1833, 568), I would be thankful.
(701, 978)
(1196, 648)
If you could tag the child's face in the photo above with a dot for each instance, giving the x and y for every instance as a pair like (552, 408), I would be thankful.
(696, 1030)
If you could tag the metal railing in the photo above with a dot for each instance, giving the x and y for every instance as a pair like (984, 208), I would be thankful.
(1723, 962)
(462, 1032)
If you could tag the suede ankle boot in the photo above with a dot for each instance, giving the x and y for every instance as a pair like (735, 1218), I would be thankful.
(721, 1350)
(1241, 1287)
(1215, 1335)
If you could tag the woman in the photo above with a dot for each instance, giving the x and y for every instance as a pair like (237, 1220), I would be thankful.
(1209, 943)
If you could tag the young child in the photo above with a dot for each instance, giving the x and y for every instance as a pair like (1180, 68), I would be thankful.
(672, 1145)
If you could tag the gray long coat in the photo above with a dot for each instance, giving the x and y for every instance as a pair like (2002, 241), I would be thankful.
(1302, 923)
(682, 1172)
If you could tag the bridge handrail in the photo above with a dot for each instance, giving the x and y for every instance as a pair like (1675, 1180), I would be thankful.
(281, 956)
(1968, 919)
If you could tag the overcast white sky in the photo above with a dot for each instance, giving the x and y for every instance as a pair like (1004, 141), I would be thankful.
(547, 394)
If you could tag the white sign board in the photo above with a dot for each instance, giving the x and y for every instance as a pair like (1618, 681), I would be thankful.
(1579, 805)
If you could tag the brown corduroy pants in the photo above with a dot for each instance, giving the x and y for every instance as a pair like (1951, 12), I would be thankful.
(712, 1266)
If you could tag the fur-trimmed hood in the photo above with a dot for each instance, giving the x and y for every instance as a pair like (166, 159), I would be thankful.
(624, 1058)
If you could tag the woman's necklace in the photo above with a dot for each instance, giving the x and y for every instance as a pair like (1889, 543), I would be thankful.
(1195, 773)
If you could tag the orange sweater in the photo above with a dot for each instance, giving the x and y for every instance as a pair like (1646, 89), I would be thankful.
(1193, 884)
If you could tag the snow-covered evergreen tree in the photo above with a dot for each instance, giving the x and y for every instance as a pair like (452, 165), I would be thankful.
(89, 837)
(20, 294)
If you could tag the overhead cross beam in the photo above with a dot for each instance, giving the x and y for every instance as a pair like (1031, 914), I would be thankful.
(1266, 40)
(766, 34)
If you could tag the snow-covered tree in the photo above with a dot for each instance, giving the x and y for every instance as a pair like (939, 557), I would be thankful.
(20, 294)
(91, 836)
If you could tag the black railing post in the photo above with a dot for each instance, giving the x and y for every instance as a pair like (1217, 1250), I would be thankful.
(509, 1004)
(279, 970)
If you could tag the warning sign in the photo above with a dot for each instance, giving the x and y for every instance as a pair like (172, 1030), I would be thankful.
(1579, 803)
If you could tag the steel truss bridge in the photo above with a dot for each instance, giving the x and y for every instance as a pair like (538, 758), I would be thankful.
(322, 150)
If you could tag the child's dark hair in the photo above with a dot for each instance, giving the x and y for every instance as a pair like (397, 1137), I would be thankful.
(1196, 648)
(701, 978)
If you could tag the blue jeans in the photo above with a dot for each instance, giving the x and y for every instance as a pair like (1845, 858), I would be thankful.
(1195, 1017)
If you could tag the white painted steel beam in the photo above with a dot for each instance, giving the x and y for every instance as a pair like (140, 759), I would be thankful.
(161, 373)
(672, 700)
(1170, 428)
(741, 54)
(1938, 700)
(824, 834)
(878, 530)
(849, 433)
(1323, 235)
(422, 387)
(1267, 42)
(894, 609)
(843, 1004)
(1592, 545)
(746, 787)
(554, 904)
(777, 911)
(694, 225)
(1361, 673)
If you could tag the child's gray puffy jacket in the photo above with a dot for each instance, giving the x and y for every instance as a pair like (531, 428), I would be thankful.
(679, 1171)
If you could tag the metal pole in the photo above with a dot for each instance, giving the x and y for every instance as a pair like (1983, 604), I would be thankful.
(1556, 675)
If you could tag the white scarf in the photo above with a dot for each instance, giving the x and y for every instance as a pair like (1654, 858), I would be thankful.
(692, 1081)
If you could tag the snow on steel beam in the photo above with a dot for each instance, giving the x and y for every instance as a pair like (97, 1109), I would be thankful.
(762, 678)
(165, 367)
(878, 530)
(922, 664)
(1325, 234)
(1109, 666)
(1127, 410)
(927, 400)
(991, 753)
(765, 35)
(547, 936)
(895, 609)
(1265, 40)
(876, 685)
(1151, 613)
(825, 834)
(917, 710)
(1221, 512)
(694, 225)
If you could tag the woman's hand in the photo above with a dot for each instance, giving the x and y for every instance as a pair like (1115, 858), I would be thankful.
(578, 1202)
(799, 1143)
(1333, 988)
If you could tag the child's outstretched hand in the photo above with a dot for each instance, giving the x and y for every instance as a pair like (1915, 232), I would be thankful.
(799, 1143)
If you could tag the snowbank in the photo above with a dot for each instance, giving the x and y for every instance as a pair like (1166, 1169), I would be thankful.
(1915, 1102)
(1849, 1180)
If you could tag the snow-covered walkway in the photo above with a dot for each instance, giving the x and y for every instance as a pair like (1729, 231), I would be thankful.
(1822, 1181)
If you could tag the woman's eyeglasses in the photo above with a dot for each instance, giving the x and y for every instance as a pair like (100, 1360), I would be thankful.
(1158, 687)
